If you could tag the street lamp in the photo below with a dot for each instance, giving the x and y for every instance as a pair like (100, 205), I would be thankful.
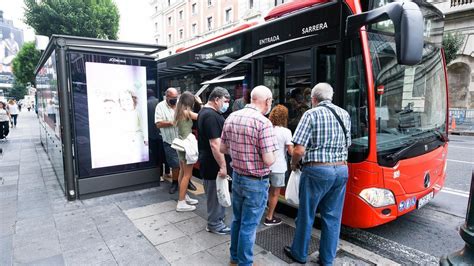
(464, 256)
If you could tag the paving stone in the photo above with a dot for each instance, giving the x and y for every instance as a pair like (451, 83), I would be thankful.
(10, 168)
(150, 210)
(8, 188)
(36, 248)
(134, 250)
(208, 239)
(36, 196)
(118, 230)
(222, 253)
(60, 206)
(57, 260)
(79, 225)
(192, 225)
(267, 258)
(163, 234)
(31, 213)
(33, 204)
(36, 236)
(104, 200)
(198, 259)
(37, 224)
(174, 216)
(8, 194)
(179, 248)
(6, 250)
(133, 203)
(74, 240)
(109, 218)
(8, 210)
(150, 223)
(89, 255)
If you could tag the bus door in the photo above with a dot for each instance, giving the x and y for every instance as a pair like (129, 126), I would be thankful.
(291, 77)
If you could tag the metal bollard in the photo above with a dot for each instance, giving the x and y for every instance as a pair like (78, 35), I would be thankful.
(464, 256)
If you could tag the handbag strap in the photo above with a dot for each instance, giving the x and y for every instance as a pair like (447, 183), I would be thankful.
(338, 120)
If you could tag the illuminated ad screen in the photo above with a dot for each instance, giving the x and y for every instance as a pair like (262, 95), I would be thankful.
(111, 116)
(117, 107)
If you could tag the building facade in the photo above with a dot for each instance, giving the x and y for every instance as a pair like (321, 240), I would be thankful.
(182, 23)
(459, 18)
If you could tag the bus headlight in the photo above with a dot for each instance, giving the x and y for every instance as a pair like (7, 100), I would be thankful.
(378, 197)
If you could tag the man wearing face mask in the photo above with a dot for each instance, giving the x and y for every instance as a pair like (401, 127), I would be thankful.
(248, 136)
(212, 162)
(164, 120)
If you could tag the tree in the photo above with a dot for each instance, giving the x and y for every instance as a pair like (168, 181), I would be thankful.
(452, 43)
(87, 18)
(25, 63)
(18, 91)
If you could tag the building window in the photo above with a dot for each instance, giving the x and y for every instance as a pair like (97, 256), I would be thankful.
(279, 2)
(181, 34)
(209, 2)
(228, 15)
(156, 9)
(181, 15)
(156, 40)
(250, 4)
(194, 9)
(169, 21)
(169, 2)
(169, 38)
(194, 26)
(156, 26)
(209, 23)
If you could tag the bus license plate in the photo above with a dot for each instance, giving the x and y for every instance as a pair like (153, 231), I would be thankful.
(424, 200)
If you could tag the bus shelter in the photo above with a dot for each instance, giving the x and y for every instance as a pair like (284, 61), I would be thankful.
(92, 109)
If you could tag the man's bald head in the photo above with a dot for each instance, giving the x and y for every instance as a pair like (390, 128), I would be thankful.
(260, 93)
(171, 92)
(262, 98)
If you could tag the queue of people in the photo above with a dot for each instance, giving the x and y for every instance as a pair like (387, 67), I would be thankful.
(258, 149)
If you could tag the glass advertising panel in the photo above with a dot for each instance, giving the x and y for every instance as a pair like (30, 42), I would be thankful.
(48, 113)
(117, 114)
(110, 113)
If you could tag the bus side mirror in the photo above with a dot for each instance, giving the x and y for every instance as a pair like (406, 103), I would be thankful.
(408, 23)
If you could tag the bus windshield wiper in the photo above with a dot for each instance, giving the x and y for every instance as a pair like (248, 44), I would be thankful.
(441, 136)
(397, 155)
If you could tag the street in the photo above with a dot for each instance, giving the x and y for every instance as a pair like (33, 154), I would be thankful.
(434, 229)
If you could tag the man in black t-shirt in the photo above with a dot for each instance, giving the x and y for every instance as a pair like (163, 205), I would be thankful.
(212, 161)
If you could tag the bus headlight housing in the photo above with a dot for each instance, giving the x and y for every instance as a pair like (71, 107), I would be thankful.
(378, 197)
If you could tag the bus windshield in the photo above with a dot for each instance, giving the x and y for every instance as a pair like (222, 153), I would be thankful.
(410, 100)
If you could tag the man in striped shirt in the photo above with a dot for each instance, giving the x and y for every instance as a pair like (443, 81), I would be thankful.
(248, 137)
(321, 140)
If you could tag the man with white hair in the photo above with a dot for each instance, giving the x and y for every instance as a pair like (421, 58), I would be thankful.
(321, 140)
(249, 138)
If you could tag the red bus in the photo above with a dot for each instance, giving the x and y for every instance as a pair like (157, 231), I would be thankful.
(385, 62)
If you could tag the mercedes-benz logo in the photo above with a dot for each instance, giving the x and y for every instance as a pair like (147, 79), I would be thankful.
(427, 180)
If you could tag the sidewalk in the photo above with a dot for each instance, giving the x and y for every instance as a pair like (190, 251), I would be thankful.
(39, 226)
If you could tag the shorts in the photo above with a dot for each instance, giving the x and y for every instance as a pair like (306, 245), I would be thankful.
(171, 156)
(181, 156)
(277, 179)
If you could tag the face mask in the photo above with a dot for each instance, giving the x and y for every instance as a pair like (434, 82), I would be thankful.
(269, 110)
(224, 108)
(172, 102)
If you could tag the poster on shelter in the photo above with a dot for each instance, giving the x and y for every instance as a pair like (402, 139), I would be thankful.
(117, 105)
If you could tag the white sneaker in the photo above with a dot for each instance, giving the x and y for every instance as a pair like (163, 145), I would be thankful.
(184, 207)
(191, 201)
